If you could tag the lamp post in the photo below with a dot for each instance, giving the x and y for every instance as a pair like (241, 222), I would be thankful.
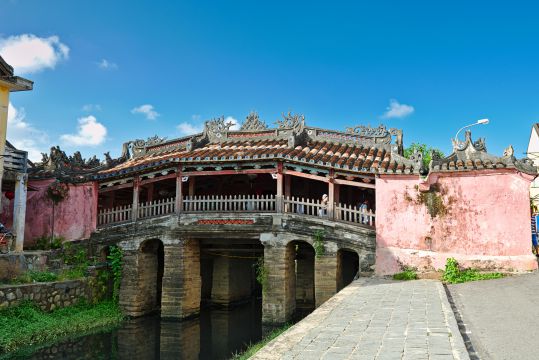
(478, 122)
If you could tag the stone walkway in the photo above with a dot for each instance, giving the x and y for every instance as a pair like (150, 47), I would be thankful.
(375, 319)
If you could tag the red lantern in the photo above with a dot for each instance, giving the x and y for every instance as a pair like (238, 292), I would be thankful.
(10, 195)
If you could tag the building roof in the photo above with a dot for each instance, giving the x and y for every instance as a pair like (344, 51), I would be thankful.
(360, 149)
(472, 155)
(15, 83)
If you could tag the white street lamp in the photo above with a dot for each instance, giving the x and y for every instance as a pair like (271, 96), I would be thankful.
(478, 122)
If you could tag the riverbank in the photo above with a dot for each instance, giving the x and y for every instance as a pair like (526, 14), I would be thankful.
(27, 325)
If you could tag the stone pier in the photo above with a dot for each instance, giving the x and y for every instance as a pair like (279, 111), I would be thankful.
(137, 290)
(231, 280)
(327, 274)
(279, 300)
(181, 280)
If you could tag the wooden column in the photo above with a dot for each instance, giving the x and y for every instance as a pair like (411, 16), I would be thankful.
(110, 200)
(19, 210)
(331, 195)
(149, 191)
(179, 196)
(287, 190)
(136, 191)
(279, 197)
(192, 186)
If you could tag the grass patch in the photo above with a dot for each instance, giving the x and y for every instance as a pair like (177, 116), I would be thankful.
(454, 275)
(27, 325)
(253, 348)
(407, 274)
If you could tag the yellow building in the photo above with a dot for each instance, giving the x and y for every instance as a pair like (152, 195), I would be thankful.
(17, 174)
(8, 83)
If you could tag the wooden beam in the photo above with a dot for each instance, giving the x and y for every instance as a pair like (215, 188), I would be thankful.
(307, 176)
(354, 183)
(230, 172)
(115, 187)
(155, 179)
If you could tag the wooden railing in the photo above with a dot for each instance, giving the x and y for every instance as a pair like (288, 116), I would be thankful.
(114, 215)
(156, 208)
(303, 206)
(348, 213)
(233, 203)
(239, 203)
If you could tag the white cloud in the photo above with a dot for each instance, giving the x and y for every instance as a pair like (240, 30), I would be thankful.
(147, 110)
(91, 107)
(397, 110)
(23, 135)
(186, 128)
(235, 123)
(189, 128)
(89, 133)
(107, 65)
(28, 53)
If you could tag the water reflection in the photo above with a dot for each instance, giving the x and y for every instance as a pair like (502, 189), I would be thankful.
(216, 334)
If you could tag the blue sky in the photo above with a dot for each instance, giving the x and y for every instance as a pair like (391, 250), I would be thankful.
(340, 63)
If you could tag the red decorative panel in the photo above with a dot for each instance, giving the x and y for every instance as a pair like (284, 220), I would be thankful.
(226, 222)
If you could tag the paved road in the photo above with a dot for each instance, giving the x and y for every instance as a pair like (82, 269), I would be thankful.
(501, 316)
(375, 319)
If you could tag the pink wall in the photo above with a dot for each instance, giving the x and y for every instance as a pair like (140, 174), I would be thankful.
(75, 217)
(487, 224)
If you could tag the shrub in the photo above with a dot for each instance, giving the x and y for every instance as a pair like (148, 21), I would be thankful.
(318, 243)
(407, 274)
(454, 275)
(261, 274)
(115, 259)
(72, 274)
(47, 243)
(75, 255)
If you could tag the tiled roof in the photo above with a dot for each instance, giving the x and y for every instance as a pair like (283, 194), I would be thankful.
(355, 158)
(471, 155)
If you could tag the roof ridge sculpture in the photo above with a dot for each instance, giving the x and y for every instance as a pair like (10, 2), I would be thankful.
(473, 155)
(291, 121)
(73, 168)
(253, 123)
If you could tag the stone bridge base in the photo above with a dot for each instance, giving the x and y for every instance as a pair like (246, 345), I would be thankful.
(176, 268)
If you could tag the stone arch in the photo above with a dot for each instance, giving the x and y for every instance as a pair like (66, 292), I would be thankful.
(347, 267)
(302, 272)
(104, 253)
(151, 267)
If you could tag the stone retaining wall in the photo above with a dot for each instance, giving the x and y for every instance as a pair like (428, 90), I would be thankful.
(14, 264)
(48, 296)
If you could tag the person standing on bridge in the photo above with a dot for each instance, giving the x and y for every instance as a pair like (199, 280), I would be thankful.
(323, 211)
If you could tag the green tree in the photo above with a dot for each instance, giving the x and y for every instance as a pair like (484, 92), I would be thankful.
(425, 150)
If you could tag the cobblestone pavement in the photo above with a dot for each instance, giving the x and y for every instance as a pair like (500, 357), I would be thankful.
(375, 319)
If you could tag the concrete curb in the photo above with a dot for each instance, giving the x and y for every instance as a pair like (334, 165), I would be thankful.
(457, 342)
